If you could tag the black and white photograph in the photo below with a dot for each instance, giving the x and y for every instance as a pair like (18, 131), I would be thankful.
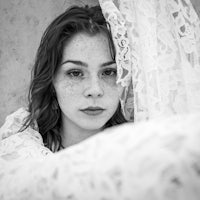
(100, 100)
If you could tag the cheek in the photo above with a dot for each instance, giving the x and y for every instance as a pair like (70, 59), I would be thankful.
(109, 84)
(111, 90)
(67, 90)
(109, 81)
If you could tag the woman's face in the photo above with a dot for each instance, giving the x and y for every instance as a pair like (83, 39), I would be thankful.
(85, 83)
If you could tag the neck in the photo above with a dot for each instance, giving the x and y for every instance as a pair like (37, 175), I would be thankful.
(71, 134)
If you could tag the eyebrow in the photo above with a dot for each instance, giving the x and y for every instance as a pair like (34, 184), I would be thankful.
(80, 63)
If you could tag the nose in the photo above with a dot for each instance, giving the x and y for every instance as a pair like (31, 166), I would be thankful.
(94, 88)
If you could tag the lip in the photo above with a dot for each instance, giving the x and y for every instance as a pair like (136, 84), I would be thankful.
(93, 110)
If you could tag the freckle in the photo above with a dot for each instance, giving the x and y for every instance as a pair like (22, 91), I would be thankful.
(5, 10)
(70, 86)
(67, 87)
(12, 20)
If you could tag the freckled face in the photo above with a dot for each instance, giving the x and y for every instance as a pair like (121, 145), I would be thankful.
(85, 83)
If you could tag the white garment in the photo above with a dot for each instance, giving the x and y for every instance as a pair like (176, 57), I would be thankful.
(18, 146)
(159, 159)
(158, 56)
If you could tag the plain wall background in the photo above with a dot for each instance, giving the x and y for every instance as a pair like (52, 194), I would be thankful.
(22, 23)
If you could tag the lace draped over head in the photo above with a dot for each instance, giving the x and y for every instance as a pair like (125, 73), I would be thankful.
(158, 56)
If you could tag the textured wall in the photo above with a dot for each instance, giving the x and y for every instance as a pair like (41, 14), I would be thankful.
(22, 23)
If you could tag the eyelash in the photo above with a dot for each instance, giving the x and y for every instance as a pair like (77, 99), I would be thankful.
(71, 73)
(112, 71)
(75, 73)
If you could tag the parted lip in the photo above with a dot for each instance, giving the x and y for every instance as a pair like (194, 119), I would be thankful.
(91, 108)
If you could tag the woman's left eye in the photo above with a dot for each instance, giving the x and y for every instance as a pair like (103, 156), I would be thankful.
(75, 73)
(109, 72)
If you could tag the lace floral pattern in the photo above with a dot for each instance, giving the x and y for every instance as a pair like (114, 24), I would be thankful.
(161, 51)
(158, 159)
(18, 146)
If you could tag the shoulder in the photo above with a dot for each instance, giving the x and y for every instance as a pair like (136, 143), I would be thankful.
(17, 144)
(13, 123)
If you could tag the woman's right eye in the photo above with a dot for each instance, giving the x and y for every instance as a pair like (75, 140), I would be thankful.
(75, 73)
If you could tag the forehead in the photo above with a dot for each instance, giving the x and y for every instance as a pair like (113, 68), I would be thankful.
(84, 47)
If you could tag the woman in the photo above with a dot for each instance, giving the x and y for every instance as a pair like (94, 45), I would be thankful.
(73, 94)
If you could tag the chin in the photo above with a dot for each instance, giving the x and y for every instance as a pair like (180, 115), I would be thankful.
(93, 125)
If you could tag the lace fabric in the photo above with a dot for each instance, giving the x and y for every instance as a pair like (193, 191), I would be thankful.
(16, 146)
(158, 159)
(158, 56)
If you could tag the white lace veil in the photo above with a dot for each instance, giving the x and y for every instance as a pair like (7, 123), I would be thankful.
(158, 56)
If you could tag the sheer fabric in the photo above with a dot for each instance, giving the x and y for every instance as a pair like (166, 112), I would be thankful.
(18, 146)
(158, 159)
(158, 56)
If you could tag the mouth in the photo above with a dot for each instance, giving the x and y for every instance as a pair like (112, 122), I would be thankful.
(93, 111)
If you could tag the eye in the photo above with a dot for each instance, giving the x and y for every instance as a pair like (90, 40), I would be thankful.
(75, 73)
(109, 72)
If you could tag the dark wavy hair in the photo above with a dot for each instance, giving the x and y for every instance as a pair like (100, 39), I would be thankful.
(42, 98)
